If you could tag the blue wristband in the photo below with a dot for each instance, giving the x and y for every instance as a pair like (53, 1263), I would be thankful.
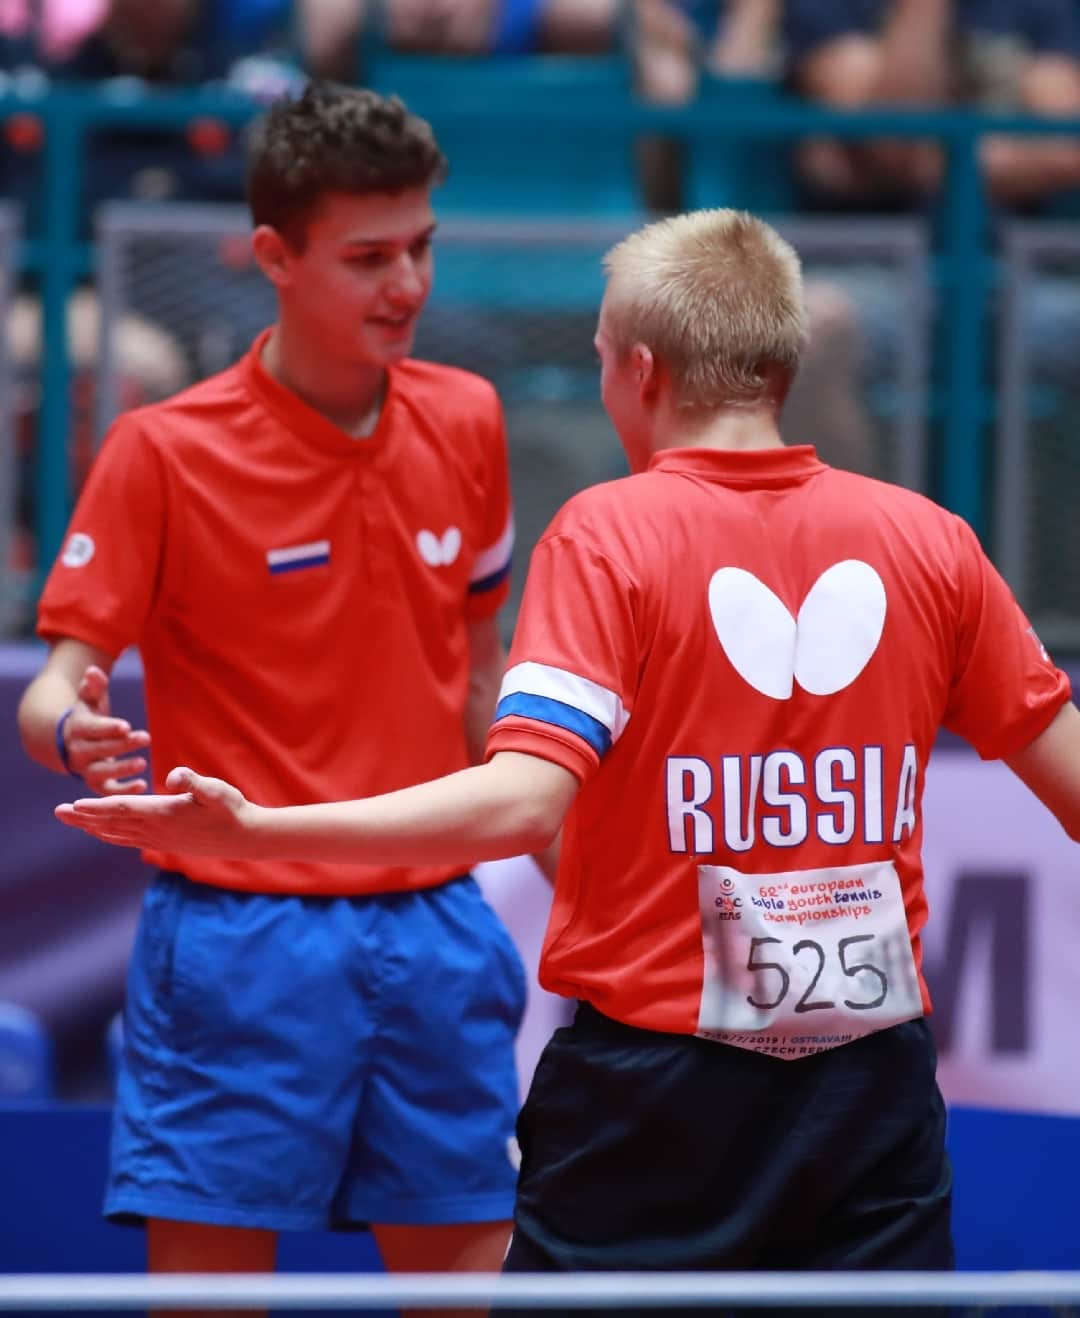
(61, 745)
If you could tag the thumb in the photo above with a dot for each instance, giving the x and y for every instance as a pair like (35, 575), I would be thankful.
(181, 780)
(205, 791)
(94, 688)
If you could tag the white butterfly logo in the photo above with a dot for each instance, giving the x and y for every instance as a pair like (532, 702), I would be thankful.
(436, 551)
(824, 648)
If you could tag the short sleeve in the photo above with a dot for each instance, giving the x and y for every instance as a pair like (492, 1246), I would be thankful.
(102, 585)
(1005, 689)
(489, 579)
(570, 682)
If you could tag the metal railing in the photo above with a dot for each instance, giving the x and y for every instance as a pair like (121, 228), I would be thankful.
(67, 115)
(621, 1292)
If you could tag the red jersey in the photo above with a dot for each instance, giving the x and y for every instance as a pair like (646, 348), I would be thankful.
(300, 597)
(745, 658)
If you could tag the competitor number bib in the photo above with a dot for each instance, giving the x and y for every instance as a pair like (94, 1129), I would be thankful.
(799, 962)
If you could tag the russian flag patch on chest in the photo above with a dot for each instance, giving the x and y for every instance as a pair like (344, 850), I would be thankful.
(295, 557)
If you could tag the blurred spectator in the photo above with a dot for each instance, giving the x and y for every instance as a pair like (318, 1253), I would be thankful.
(178, 44)
(329, 30)
(48, 29)
(163, 43)
(675, 40)
(995, 55)
(250, 25)
(503, 26)
(159, 43)
(985, 54)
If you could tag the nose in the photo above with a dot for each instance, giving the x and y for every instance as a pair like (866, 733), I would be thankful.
(406, 284)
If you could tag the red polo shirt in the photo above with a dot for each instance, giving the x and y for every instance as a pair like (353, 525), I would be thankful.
(745, 659)
(300, 597)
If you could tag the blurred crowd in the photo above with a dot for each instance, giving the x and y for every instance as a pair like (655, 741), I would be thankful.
(987, 54)
(1021, 55)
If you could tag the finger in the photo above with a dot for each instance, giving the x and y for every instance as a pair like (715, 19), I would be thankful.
(85, 725)
(84, 755)
(114, 766)
(115, 781)
(103, 834)
(120, 807)
(106, 830)
(117, 841)
(124, 787)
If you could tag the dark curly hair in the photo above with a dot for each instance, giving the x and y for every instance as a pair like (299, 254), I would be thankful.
(334, 139)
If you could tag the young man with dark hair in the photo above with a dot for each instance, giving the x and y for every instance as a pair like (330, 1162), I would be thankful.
(728, 674)
(309, 549)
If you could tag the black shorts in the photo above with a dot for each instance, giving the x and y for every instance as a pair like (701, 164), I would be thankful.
(644, 1151)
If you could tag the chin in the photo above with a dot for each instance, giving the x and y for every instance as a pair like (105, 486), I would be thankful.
(388, 353)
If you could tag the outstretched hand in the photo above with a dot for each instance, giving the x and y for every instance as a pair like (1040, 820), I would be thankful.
(201, 817)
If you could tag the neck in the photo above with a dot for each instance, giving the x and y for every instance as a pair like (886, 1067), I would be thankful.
(735, 428)
(348, 395)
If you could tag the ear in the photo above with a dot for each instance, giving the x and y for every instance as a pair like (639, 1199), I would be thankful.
(273, 254)
(646, 372)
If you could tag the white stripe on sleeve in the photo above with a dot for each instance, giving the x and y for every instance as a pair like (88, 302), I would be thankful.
(578, 692)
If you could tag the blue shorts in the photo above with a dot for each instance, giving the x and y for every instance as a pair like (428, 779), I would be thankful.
(304, 1062)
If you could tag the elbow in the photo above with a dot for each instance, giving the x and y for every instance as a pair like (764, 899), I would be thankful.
(537, 825)
(538, 831)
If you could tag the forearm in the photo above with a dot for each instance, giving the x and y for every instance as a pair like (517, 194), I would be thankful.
(329, 31)
(915, 45)
(482, 813)
(1021, 169)
(487, 662)
(746, 41)
(1025, 169)
(44, 700)
(479, 711)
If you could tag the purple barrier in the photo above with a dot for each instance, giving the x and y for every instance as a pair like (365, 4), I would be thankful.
(1002, 879)
(68, 905)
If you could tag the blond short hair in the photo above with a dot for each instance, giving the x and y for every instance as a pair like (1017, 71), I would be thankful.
(717, 296)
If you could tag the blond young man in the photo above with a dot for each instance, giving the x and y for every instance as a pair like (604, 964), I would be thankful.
(727, 677)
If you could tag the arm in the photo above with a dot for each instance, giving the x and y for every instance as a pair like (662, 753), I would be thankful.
(1050, 767)
(746, 40)
(663, 52)
(905, 64)
(487, 660)
(487, 664)
(915, 45)
(76, 677)
(1024, 169)
(329, 32)
(462, 27)
(513, 804)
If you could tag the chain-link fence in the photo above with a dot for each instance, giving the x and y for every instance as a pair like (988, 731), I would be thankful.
(1037, 530)
(517, 302)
